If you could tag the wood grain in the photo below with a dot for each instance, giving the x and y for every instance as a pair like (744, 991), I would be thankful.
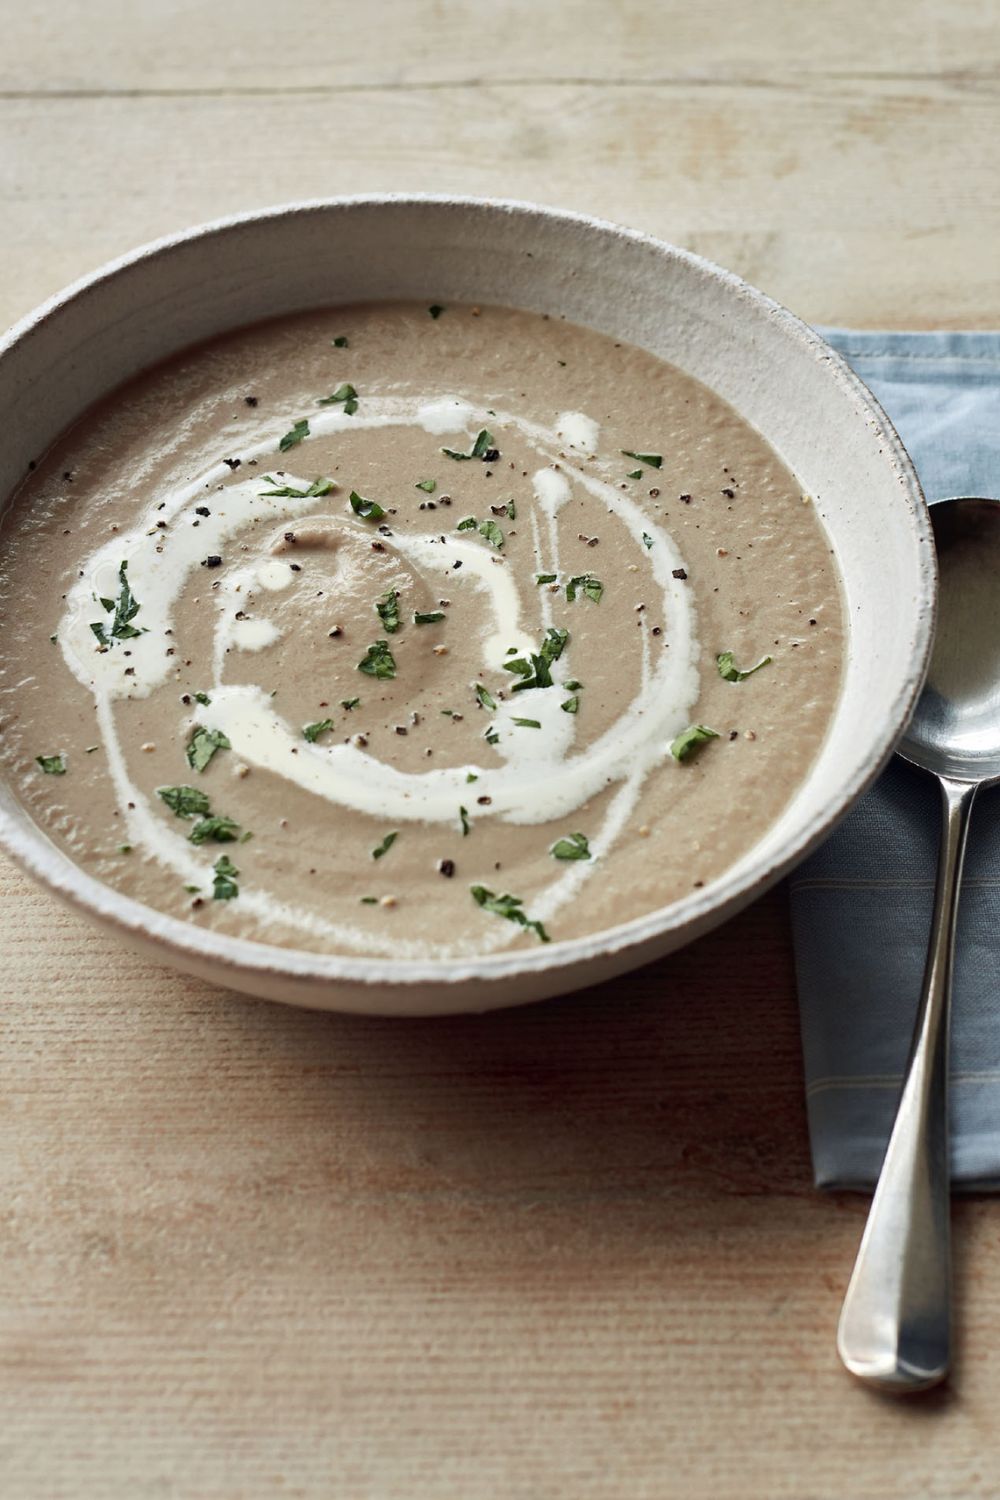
(571, 1251)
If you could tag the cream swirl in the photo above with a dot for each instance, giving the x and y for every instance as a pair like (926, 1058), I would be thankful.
(529, 779)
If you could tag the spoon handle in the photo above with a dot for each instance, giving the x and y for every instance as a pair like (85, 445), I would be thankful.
(894, 1328)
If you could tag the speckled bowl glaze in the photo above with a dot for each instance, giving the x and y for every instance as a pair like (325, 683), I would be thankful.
(813, 410)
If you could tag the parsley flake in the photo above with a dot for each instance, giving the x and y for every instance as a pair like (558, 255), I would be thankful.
(491, 531)
(653, 459)
(215, 830)
(469, 524)
(378, 661)
(340, 342)
(687, 743)
(202, 698)
(574, 846)
(345, 394)
(571, 706)
(647, 540)
(546, 577)
(387, 609)
(463, 814)
(527, 723)
(731, 672)
(427, 485)
(288, 491)
(429, 617)
(224, 886)
(368, 510)
(586, 584)
(482, 447)
(184, 801)
(485, 698)
(312, 732)
(126, 607)
(52, 765)
(634, 474)
(292, 438)
(385, 845)
(435, 311)
(202, 746)
(507, 906)
(349, 703)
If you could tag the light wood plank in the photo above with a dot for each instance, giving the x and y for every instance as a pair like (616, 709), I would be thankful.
(850, 204)
(317, 44)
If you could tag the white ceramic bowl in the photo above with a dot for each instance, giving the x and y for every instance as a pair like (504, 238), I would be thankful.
(812, 409)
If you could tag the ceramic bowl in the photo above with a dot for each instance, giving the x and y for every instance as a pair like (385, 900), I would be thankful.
(778, 373)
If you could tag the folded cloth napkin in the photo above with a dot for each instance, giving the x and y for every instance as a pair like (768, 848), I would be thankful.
(861, 905)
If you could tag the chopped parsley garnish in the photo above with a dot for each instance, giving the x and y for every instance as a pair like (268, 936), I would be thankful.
(126, 607)
(491, 736)
(429, 617)
(349, 703)
(202, 698)
(470, 776)
(469, 524)
(491, 531)
(463, 814)
(554, 643)
(368, 510)
(546, 577)
(507, 906)
(587, 584)
(185, 801)
(647, 540)
(387, 609)
(480, 448)
(385, 845)
(340, 342)
(528, 723)
(203, 745)
(215, 830)
(369, 901)
(519, 666)
(344, 393)
(427, 485)
(571, 706)
(124, 849)
(312, 732)
(653, 459)
(224, 886)
(539, 675)
(485, 698)
(291, 439)
(435, 310)
(634, 474)
(574, 846)
(378, 661)
(52, 765)
(288, 491)
(687, 743)
(731, 672)
(573, 686)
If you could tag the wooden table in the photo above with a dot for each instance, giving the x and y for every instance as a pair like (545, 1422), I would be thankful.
(571, 1252)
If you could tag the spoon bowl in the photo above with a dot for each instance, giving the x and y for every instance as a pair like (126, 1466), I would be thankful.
(955, 729)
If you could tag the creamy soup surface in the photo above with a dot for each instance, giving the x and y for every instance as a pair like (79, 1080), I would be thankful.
(415, 632)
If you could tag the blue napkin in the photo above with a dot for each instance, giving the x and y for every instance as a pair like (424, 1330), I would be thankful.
(861, 905)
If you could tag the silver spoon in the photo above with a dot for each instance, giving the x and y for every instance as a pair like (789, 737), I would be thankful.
(895, 1324)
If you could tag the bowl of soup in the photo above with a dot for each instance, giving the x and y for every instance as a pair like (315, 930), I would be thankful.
(422, 604)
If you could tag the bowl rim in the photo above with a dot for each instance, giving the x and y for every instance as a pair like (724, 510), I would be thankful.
(33, 850)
